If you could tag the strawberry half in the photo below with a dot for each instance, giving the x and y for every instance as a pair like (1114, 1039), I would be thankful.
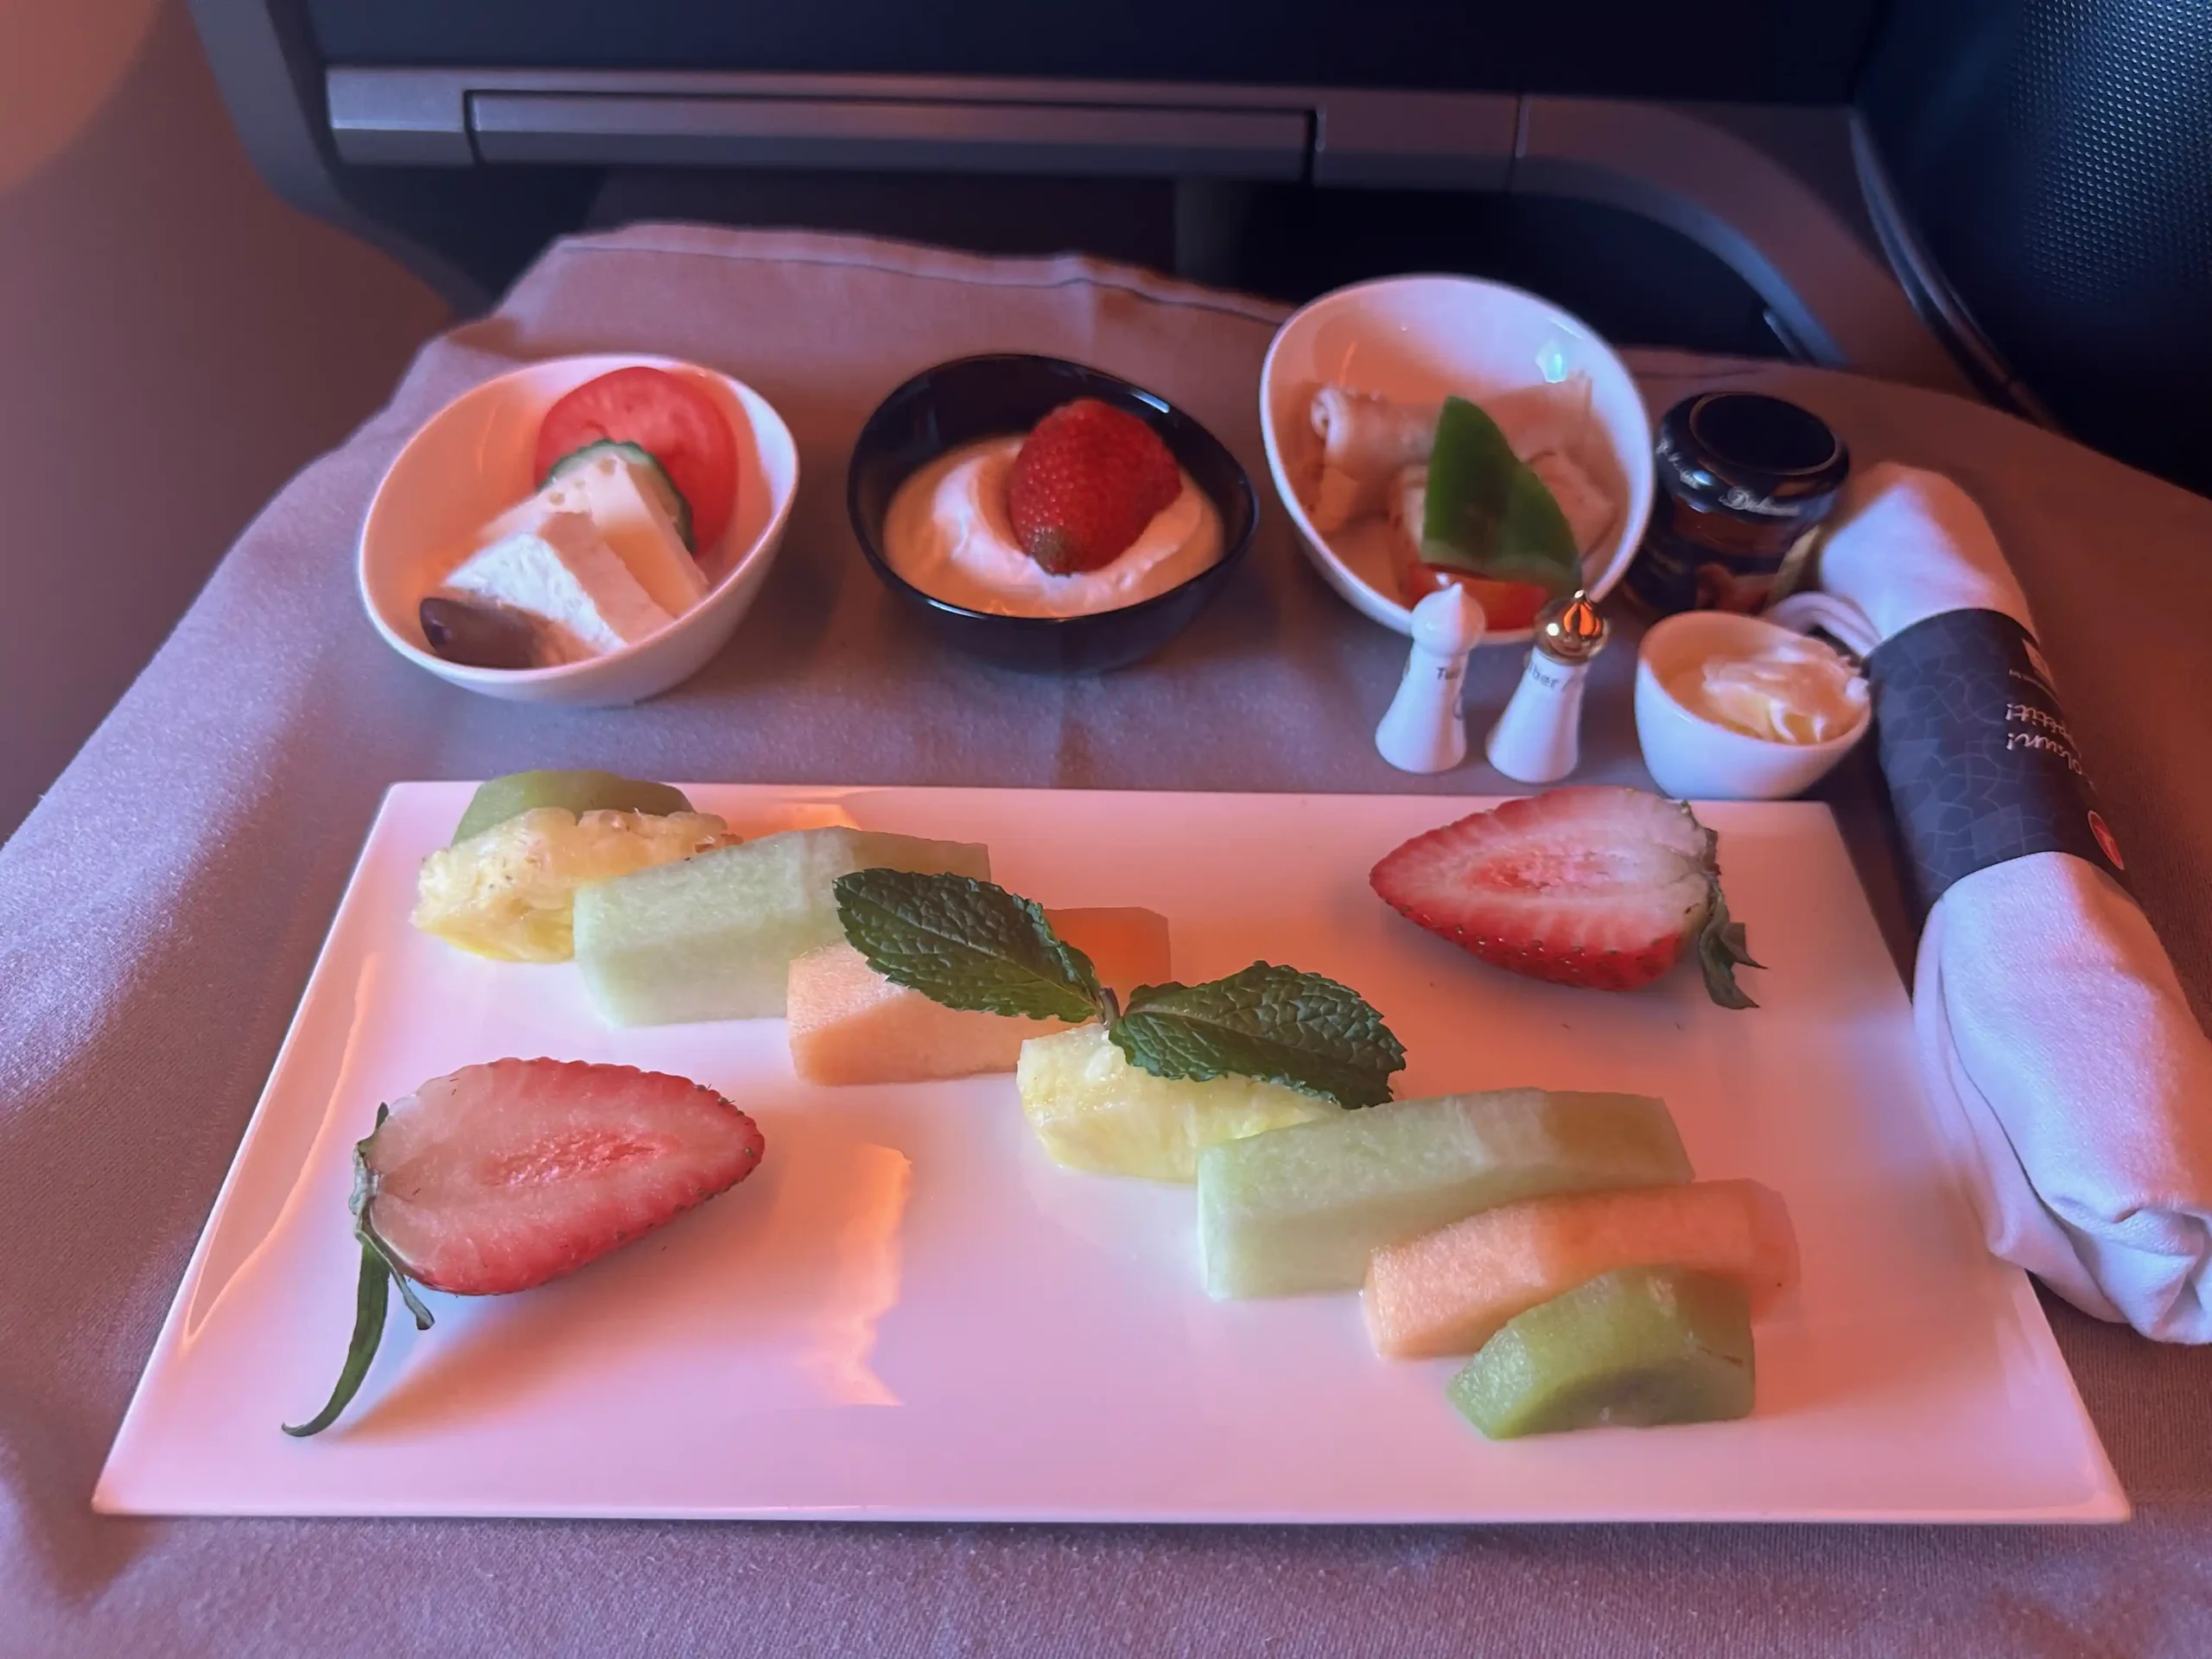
(1597, 887)
(1088, 479)
(503, 1176)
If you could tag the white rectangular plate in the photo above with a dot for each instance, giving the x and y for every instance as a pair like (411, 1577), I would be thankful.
(910, 1313)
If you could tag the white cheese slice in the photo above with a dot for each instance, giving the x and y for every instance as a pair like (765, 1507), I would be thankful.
(564, 572)
(630, 517)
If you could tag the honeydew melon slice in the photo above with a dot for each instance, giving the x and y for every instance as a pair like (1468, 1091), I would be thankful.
(712, 938)
(1301, 1209)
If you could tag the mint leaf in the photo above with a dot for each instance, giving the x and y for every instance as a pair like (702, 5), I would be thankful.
(967, 944)
(1275, 1024)
(1488, 511)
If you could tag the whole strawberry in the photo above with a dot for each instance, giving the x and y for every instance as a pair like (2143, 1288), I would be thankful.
(1089, 478)
(1597, 887)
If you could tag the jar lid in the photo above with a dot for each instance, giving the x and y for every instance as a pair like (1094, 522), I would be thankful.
(1751, 456)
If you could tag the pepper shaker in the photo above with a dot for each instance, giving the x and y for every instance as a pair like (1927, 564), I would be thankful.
(1538, 739)
(1423, 729)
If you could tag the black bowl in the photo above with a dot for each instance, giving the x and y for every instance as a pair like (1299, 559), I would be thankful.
(976, 397)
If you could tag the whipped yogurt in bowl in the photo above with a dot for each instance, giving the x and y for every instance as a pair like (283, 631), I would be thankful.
(1733, 708)
(947, 534)
(926, 493)
(1789, 690)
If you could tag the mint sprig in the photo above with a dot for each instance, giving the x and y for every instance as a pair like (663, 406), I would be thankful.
(971, 945)
(967, 944)
(1275, 1024)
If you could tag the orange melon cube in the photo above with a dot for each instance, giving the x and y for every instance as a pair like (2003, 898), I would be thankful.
(1448, 1292)
(848, 1024)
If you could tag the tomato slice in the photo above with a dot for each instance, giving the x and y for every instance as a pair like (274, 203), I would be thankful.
(1505, 604)
(667, 417)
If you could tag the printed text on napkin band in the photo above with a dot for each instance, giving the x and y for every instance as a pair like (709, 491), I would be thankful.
(1982, 765)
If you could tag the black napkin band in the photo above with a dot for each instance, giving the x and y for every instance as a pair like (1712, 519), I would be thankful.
(1980, 765)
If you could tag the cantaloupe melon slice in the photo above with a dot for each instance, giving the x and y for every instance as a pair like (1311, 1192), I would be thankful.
(1448, 1292)
(849, 1023)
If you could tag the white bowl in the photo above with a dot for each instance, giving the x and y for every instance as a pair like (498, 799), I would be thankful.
(472, 460)
(1419, 339)
(1692, 757)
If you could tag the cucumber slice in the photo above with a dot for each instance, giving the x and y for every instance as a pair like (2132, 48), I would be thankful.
(649, 468)
(498, 799)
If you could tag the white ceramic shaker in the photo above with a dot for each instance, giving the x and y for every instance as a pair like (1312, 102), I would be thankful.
(1423, 729)
(1538, 739)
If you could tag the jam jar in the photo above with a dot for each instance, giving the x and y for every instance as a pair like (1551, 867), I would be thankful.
(1744, 482)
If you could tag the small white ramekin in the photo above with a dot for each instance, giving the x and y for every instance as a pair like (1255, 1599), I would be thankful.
(472, 460)
(1692, 757)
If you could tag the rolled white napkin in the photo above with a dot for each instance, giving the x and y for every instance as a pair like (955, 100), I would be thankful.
(2070, 1079)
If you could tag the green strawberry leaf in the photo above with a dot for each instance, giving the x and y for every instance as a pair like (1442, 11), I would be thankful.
(1488, 511)
(379, 1271)
(1275, 1024)
(967, 944)
(1721, 949)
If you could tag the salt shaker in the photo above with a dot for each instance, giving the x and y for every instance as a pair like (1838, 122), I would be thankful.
(1422, 730)
(1538, 739)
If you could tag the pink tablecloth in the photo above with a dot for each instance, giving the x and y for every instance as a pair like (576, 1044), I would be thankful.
(161, 908)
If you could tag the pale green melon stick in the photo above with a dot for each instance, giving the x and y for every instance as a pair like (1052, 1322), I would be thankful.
(1297, 1210)
(712, 936)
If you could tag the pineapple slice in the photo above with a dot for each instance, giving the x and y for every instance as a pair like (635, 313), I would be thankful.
(1092, 1109)
(509, 892)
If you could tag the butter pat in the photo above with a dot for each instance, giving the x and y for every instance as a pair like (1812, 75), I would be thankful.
(1794, 690)
(631, 519)
(563, 572)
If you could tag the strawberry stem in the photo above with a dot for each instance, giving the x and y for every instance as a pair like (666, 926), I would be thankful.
(369, 1305)
(1722, 949)
(371, 1299)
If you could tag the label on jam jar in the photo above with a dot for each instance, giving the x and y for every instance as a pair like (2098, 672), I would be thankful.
(1674, 572)
(1981, 765)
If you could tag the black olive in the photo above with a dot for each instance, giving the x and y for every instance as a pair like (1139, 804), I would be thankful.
(478, 633)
